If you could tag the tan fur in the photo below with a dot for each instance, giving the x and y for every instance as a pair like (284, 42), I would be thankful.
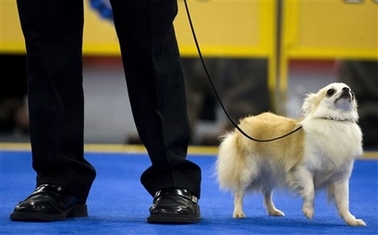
(319, 155)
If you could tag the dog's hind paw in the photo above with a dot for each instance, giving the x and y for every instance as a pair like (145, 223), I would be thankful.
(276, 213)
(309, 213)
(238, 215)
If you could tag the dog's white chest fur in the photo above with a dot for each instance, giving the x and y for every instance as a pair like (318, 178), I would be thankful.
(330, 148)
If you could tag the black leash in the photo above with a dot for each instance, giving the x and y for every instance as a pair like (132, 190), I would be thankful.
(215, 91)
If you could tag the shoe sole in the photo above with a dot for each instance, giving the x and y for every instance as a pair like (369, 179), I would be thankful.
(159, 219)
(73, 212)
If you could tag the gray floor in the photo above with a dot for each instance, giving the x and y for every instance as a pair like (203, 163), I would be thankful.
(108, 116)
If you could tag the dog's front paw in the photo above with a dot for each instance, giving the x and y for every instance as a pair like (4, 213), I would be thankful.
(351, 220)
(356, 222)
(308, 212)
(238, 215)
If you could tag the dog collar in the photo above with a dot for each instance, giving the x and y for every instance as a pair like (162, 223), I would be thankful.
(339, 120)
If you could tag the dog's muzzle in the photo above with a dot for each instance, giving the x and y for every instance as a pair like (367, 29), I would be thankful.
(345, 95)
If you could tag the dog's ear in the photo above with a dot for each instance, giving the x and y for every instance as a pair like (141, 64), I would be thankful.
(308, 104)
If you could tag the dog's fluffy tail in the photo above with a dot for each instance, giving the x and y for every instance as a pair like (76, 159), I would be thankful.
(230, 164)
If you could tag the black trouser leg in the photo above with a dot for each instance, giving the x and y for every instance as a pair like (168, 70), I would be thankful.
(156, 91)
(53, 34)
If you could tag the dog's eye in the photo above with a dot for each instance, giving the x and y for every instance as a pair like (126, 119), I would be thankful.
(330, 92)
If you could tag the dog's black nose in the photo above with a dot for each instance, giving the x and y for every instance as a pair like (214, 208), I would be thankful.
(345, 90)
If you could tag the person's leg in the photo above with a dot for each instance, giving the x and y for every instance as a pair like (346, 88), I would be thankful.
(156, 91)
(53, 35)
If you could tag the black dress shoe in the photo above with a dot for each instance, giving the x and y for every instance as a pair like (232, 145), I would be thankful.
(49, 203)
(174, 206)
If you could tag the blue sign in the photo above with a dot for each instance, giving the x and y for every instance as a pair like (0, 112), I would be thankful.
(103, 7)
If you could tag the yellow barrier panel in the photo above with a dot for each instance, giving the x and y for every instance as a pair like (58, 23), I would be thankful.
(11, 39)
(240, 28)
(331, 29)
(99, 34)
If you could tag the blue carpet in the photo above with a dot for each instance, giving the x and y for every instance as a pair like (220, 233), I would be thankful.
(118, 204)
